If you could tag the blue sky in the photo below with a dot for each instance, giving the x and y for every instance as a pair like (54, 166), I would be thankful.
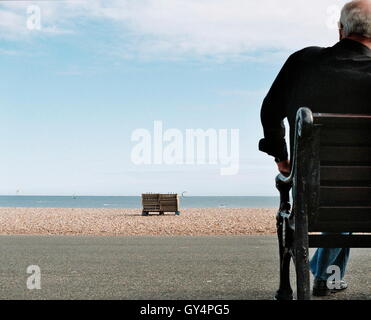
(73, 92)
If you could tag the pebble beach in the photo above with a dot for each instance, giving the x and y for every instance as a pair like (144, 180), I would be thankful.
(123, 222)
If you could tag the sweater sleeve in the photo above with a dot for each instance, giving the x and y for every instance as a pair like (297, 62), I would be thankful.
(273, 112)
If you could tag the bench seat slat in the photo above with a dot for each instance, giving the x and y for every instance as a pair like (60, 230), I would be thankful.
(340, 241)
(340, 227)
(328, 214)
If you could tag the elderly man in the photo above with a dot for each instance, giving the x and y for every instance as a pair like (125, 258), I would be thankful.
(331, 80)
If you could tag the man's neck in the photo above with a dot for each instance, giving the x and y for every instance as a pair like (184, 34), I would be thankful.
(365, 41)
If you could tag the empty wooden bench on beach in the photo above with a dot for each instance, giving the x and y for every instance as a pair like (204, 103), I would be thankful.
(160, 202)
(331, 192)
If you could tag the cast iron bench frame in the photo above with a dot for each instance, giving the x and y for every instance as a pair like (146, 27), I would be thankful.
(331, 192)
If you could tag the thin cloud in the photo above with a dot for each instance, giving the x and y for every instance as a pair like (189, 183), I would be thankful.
(221, 29)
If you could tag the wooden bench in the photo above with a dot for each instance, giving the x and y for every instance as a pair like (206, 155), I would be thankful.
(331, 192)
(160, 202)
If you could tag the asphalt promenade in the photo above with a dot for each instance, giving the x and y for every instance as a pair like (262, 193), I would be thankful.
(208, 267)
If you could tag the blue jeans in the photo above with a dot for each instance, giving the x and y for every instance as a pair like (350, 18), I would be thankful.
(325, 257)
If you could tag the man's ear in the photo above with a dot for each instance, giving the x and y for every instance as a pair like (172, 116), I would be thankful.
(341, 33)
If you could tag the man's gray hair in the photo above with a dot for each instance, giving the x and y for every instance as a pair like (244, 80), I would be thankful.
(356, 18)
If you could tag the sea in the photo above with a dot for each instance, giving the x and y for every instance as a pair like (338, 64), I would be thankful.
(135, 201)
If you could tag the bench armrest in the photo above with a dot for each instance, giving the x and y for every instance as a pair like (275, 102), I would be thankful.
(304, 124)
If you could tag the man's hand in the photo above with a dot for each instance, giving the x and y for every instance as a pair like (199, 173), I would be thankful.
(284, 167)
